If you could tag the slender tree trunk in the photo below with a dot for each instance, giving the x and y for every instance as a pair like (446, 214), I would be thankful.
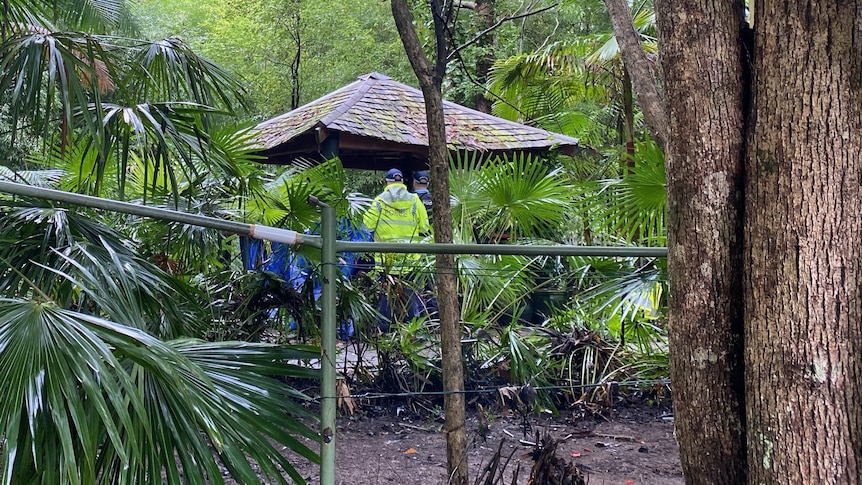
(641, 69)
(628, 121)
(484, 20)
(803, 292)
(447, 301)
(704, 174)
(296, 33)
(430, 80)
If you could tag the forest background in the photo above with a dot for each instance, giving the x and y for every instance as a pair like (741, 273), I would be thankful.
(172, 316)
(153, 104)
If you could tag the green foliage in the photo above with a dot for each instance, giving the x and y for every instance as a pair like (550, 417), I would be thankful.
(104, 380)
(284, 201)
(633, 206)
(155, 132)
(259, 40)
(508, 199)
(416, 343)
(574, 85)
(113, 97)
(90, 15)
(107, 377)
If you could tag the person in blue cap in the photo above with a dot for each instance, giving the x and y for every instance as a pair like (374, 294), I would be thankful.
(420, 187)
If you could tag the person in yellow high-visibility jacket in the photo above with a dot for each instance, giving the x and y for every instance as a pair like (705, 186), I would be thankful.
(397, 215)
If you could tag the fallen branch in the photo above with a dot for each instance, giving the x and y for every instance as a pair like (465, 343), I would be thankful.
(630, 439)
(412, 426)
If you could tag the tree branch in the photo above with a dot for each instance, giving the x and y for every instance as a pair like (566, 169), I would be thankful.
(640, 69)
(404, 23)
(440, 26)
(495, 26)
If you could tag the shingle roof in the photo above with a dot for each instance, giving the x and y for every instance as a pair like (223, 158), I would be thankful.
(376, 107)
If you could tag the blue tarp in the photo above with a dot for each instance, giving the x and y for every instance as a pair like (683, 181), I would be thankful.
(295, 269)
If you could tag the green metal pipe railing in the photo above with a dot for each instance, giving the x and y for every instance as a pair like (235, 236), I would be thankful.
(330, 247)
(499, 249)
(328, 321)
(256, 231)
(292, 237)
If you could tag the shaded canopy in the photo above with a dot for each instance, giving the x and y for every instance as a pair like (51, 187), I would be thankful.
(376, 123)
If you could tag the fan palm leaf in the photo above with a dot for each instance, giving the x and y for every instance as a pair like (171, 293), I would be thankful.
(167, 70)
(88, 400)
(132, 400)
(537, 85)
(62, 383)
(95, 15)
(40, 178)
(633, 206)
(493, 285)
(512, 198)
(284, 202)
(43, 74)
(165, 97)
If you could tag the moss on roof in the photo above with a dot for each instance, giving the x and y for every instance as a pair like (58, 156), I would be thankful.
(377, 107)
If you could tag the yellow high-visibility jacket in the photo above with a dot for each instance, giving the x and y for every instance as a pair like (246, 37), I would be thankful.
(397, 215)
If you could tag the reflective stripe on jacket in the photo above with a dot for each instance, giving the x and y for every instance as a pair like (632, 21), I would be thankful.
(397, 215)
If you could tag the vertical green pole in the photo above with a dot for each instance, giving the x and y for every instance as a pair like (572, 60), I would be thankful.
(327, 350)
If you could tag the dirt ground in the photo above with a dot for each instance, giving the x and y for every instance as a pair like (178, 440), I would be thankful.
(632, 445)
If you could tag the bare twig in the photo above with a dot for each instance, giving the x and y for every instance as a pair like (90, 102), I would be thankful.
(496, 25)
(631, 439)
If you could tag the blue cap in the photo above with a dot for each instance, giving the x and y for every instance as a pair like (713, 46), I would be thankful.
(394, 175)
(421, 177)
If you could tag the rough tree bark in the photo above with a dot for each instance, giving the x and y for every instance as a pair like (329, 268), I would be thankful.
(803, 237)
(704, 156)
(430, 77)
(795, 270)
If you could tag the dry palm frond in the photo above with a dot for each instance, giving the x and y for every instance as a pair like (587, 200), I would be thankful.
(97, 67)
(345, 402)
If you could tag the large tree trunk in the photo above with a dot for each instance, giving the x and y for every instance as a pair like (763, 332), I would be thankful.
(430, 80)
(803, 243)
(704, 153)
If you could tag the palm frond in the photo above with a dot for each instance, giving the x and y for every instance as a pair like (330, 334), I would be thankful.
(494, 284)
(33, 236)
(123, 287)
(66, 394)
(39, 178)
(91, 15)
(513, 198)
(167, 70)
(78, 167)
(42, 74)
(284, 201)
(158, 133)
(91, 401)
(633, 206)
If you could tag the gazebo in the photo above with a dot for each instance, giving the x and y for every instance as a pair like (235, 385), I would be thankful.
(376, 123)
